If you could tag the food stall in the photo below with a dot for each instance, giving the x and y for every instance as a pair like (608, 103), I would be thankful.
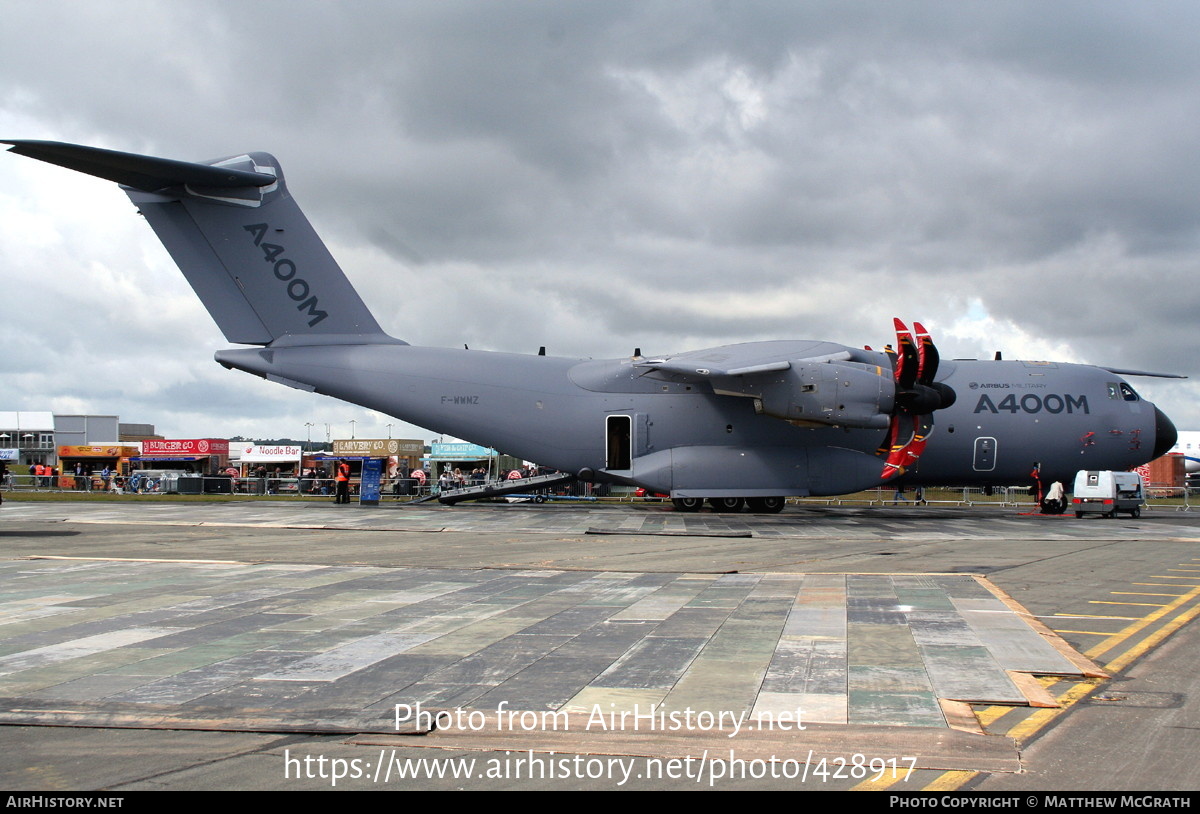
(165, 462)
(93, 460)
(398, 457)
(267, 469)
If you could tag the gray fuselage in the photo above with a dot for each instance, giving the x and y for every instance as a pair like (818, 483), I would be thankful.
(684, 439)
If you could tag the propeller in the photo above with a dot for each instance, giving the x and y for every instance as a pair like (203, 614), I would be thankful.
(915, 364)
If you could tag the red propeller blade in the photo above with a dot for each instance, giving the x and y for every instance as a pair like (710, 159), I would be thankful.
(917, 361)
(902, 456)
(907, 369)
(928, 355)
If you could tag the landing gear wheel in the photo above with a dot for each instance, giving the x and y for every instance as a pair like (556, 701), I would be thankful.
(765, 505)
(1053, 507)
(687, 504)
(727, 504)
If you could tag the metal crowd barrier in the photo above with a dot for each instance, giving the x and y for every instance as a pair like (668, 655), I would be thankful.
(136, 483)
(887, 496)
(1178, 498)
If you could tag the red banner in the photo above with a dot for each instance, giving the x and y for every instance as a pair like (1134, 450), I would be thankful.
(188, 446)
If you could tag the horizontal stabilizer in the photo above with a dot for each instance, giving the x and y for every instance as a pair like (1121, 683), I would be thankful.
(138, 171)
(1122, 372)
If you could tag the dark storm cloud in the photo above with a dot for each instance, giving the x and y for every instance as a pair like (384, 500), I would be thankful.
(594, 176)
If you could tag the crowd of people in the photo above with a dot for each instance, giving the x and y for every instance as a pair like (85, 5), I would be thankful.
(340, 481)
(337, 479)
(80, 477)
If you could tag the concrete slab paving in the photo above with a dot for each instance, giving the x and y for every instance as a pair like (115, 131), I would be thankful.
(461, 572)
(745, 643)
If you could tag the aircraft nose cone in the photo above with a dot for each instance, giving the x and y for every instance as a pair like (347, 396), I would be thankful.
(1165, 435)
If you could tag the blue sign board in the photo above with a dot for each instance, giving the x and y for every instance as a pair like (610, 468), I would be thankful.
(460, 452)
(368, 488)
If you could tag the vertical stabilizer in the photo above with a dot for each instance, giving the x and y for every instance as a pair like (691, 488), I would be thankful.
(240, 239)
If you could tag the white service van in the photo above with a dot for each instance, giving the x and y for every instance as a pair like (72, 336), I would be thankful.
(1105, 492)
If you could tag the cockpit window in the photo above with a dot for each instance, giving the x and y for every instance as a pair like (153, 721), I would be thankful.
(1113, 390)
(1128, 393)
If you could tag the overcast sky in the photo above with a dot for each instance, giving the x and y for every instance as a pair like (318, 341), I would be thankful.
(599, 176)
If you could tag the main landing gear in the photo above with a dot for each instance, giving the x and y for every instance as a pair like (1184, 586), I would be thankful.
(730, 505)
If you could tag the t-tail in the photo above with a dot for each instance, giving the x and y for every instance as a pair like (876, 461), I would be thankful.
(240, 239)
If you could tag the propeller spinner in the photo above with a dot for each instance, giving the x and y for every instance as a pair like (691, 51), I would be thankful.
(917, 396)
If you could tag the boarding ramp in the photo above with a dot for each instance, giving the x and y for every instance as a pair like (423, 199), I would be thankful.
(498, 488)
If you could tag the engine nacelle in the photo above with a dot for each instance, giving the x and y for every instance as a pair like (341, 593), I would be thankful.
(845, 394)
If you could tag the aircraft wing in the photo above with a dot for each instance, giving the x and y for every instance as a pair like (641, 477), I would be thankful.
(751, 359)
(808, 383)
(694, 369)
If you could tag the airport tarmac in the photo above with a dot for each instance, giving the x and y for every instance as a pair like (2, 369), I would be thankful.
(276, 645)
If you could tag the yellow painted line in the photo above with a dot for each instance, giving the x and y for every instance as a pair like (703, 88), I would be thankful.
(1079, 689)
(950, 781)
(1123, 660)
(1149, 619)
(1136, 593)
(990, 715)
(1086, 616)
(1087, 632)
(1159, 584)
(1168, 576)
(1183, 569)
(884, 782)
(1036, 720)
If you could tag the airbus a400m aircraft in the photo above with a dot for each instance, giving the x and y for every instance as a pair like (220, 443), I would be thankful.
(747, 423)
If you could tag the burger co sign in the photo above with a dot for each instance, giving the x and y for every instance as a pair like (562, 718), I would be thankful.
(188, 446)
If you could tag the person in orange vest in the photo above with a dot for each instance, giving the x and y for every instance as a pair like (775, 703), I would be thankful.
(342, 478)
